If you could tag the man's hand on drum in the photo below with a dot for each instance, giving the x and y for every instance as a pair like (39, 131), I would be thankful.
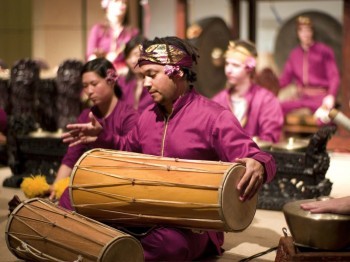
(82, 133)
(252, 179)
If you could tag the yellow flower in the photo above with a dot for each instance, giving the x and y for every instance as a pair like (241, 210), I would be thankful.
(35, 186)
(60, 186)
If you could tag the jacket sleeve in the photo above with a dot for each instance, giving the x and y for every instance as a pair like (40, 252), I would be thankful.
(231, 142)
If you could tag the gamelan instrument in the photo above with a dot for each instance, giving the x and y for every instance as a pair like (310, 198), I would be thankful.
(138, 189)
(324, 231)
(37, 230)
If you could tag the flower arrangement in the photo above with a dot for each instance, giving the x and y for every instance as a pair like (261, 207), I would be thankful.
(250, 63)
(112, 76)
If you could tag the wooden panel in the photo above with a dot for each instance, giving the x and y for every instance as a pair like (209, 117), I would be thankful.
(181, 18)
(15, 30)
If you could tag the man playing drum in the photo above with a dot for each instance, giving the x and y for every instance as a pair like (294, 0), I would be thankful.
(182, 124)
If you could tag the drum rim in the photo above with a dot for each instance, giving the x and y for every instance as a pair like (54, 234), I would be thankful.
(72, 175)
(9, 221)
(106, 249)
(230, 220)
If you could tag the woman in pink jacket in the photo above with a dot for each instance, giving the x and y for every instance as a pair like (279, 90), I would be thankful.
(109, 39)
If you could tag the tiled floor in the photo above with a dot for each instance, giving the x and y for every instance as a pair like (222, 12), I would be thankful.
(264, 232)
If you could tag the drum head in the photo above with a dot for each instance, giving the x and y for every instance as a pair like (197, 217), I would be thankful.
(211, 36)
(125, 248)
(326, 30)
(236, 214)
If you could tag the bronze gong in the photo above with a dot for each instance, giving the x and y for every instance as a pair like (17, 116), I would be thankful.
(211, 37)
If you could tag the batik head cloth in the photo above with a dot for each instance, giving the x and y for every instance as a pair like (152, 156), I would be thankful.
(240, 53)
(165, 55)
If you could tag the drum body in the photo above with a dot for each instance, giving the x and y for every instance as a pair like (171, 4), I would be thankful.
(138, 189)
(37, 230)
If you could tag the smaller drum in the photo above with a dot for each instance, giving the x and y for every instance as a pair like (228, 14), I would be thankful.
(137, 189)
(37, 230)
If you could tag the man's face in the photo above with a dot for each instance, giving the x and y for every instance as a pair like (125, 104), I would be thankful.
(235, 71)
(161, 87)
(305, 34)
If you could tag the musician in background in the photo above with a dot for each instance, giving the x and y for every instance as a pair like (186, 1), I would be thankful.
(132, 83)
(182, 124)
(256, 108)
(108, 39)
(100, 85)
(312, 67)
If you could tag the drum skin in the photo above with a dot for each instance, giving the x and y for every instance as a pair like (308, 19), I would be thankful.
(37, 230)
(136, 189)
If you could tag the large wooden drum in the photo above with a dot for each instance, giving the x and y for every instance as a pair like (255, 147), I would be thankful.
(37, 230)
(137, 189)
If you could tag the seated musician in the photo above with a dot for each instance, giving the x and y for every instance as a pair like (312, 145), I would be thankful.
(256, 108)
(181, 124)
(99, 83)
(313, 68)
(132, 83)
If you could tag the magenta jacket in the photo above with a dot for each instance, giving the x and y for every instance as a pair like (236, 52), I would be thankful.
(264, 116)
(122, 119)
(322, 68)
(128, 88)
(101, 37)
(3, 121)
(197, 129)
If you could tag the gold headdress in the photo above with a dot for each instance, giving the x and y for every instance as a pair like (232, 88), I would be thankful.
(304, 20)
(165, 55)
(238, 52)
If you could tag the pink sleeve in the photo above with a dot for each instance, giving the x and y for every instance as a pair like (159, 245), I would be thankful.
(270, 119)
(287, 73)
(332, 73)
(232, 142)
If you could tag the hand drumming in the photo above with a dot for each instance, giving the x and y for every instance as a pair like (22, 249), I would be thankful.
(82, 133)
(252, 179)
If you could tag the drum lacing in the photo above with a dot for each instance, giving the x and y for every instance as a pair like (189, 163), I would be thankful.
(80, 258)
(26, 249)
